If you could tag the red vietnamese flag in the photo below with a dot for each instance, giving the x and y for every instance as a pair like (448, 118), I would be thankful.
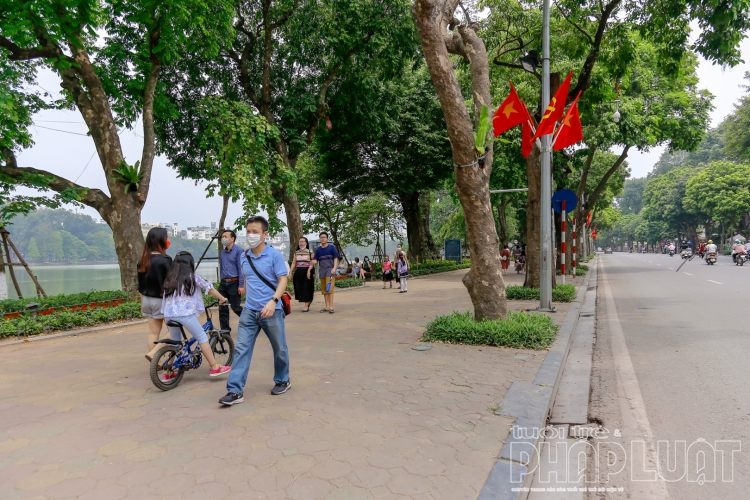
(555, 109)
(527, 131)
(570, 131)
(526, 143)
(509, 113)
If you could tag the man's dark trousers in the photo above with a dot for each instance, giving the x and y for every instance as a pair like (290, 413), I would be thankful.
(230, 290)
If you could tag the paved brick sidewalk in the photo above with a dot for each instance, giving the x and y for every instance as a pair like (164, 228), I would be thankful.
(367, 417)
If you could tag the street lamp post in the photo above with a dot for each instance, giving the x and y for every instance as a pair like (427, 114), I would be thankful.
(545, 285)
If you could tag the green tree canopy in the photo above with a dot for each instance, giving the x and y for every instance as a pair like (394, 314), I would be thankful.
(721, 191)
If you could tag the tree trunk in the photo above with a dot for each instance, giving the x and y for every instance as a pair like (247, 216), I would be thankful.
(418, 236)
(502, 221)
(430, 250)
(293, 219)
(124, 217)
(222, 221)
(484, 280)
(533, 255)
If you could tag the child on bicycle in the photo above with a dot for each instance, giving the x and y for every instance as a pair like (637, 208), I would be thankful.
(183, 303)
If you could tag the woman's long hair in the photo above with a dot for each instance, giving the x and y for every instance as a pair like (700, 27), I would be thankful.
(181, 275)
(156, 241)
(307, 246)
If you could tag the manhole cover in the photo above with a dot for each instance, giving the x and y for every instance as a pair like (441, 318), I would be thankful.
(421, 347)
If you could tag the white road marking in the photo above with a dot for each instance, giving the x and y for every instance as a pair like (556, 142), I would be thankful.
(633, 409)
(670, 268)
(712, 281)
(658, 264)
(688, 274)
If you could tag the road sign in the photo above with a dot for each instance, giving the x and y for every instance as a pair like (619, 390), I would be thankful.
(453, 250)
(570, 198)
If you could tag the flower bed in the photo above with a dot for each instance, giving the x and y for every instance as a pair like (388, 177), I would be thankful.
(75, 301)
(67, 320)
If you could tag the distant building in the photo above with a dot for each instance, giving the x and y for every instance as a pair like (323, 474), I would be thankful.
(200, 233)
(172, 229)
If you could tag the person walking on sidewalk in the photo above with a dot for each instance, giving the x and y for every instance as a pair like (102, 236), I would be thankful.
(266, 278)
(327, 259)
(505, 259)
(304, 284)
(152, 271)
(232, 283)
(387, 272)
(395, 264)
(403, 271)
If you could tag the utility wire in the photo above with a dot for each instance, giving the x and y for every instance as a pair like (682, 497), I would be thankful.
(84, 168)
(64, 131)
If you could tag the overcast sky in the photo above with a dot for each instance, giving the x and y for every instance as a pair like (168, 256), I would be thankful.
(171, 200)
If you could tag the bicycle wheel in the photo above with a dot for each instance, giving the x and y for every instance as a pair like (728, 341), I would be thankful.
(223, 348)
(163, 377)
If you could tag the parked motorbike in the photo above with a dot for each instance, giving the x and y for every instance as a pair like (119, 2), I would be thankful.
(710, 258)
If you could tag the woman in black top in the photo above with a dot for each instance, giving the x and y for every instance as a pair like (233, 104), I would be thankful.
(152, 271)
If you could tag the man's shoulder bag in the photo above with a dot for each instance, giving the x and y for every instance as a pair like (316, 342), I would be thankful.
(286, 298)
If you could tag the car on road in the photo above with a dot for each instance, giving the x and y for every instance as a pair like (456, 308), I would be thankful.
(607, 249)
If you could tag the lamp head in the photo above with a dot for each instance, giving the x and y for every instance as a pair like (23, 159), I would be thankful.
(530, 61)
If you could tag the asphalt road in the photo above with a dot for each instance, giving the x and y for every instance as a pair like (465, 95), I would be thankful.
(686, 337)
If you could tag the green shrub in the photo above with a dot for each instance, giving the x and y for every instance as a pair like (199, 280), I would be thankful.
(518, 292)
(561, 293)
(523, 330)
(564, 293)
(31, 325)
(583, 266)
(62, 300)
(591, 256)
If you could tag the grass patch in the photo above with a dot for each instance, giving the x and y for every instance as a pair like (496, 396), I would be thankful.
(519, 329)
(561, 293)
(32, 325)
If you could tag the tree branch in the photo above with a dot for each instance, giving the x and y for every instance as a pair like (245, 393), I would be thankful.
(20, 54)
(322, 104)
(149, 139)
(603, 183)
(584, 32)
(584, 79)
(585, 173)
(94, 198)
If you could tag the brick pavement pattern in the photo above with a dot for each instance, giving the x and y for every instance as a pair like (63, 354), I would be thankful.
(367, 417)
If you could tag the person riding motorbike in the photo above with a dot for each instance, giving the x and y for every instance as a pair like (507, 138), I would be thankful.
(671, 249)
(738, 249)
(710, 248)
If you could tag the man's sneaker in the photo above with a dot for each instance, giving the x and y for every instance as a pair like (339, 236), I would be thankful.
(281, 388)
(232, 398)
(168, 376)
(219, 370)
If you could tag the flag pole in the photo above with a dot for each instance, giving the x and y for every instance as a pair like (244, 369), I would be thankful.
(545, 285)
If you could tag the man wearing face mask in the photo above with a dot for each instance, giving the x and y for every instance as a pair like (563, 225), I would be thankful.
(266, 278)
(232, 284)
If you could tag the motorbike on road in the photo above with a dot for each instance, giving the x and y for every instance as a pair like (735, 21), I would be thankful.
(740, 259)
(710, 258)
(686, 254)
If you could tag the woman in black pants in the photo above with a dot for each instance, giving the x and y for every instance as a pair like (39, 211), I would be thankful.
(302, 277)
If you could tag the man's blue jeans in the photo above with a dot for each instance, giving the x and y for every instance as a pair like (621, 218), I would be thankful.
(250, 325)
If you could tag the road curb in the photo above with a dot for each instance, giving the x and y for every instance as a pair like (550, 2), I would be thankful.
(530, 404)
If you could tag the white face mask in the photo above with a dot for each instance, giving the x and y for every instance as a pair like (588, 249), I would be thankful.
(225, 242)
(302, 246)
(253, 240)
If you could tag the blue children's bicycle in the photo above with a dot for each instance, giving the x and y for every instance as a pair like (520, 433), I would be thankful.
(172, 361)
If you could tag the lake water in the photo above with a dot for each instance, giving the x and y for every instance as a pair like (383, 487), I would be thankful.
(75, 278)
